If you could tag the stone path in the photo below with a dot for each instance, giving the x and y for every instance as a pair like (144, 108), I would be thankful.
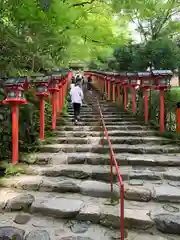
(64, 193)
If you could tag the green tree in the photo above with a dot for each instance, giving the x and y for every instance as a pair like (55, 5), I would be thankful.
(163, 54)
(153, 18)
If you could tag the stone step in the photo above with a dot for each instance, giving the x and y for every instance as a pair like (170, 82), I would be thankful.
(91, 217)
(116, 140)
(98, 122)
(122, 159)
(92, 105)
(107, 120)
(102, 173)
(106, 116)
(135, 190)
(105, 113)
(123, 148)
(96, 114)
(111, 128)
(164, 160)
(82, 131)
(38, 227)
(92, 127)
(96, 118)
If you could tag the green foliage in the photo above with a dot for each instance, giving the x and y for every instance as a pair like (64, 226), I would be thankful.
(37, 35)
(13, 170)
(152, 18)
(163, 53)
(160, 54)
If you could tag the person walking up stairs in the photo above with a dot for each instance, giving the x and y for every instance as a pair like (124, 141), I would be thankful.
(77, 96)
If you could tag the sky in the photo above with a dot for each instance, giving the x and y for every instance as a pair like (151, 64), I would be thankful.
(135, 35)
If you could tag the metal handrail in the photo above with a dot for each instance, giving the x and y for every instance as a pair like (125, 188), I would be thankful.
(113, 160)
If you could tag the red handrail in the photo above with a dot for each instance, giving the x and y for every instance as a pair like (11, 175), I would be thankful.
(113, 159)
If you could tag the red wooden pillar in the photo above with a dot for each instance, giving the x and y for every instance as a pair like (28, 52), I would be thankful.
(119, 94)
(53, 102)
(125, 98)
(113, 91)
(146, 107)
(133, 99)
(162, 110)
(15, 133)
(109, 89)
(41, 118)
(178, 117)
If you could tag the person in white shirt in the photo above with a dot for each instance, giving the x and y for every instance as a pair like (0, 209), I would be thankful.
(77, 96)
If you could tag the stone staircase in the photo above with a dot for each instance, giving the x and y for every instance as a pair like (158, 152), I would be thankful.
(64, 191)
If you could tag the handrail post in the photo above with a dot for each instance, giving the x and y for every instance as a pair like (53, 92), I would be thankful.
(111, 171)
(113, 159)
(122, 211)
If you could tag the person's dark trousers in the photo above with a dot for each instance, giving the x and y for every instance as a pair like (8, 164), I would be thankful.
(76, 107)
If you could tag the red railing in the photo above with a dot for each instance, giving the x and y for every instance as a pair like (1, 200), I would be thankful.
(113, 160)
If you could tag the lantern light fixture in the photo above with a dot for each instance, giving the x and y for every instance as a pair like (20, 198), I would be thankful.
(145, 79)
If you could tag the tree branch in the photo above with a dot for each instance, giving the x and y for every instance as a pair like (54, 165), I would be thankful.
(83, 3)
(95, 41)
(166, 18)
(139, 26)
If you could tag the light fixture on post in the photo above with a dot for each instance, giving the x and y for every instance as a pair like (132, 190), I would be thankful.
(14, 88)
(41, 84)
(161, 82)
(133, 83)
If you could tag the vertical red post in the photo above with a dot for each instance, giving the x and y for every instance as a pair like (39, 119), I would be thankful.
(105, 86)
(122, 211)
(146, 108)
(57, 102)
(111, 171)
(178, 117)
(15, 133)
(113, 92)
(162, 110)
(109, 90)
(118, 93)
(133, 99)
(60, 96)
(101, 84)
(64, 87)
(41, 118)
(125, 98)
(53, 101)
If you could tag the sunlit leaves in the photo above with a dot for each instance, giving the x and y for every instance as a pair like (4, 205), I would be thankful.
(55, 31)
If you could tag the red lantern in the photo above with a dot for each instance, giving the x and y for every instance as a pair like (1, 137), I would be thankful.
(124, 82)
(113, 81)
(145, 83)
(14, 87)
(161, 81)
(54, 89)
(145, 79)
(133, 83)
(41, 84)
